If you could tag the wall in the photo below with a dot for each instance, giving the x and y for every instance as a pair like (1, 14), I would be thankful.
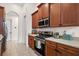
(28, 9)
(74, 31)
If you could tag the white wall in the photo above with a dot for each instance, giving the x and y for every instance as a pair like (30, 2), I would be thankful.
(74, 31)
(28, 9)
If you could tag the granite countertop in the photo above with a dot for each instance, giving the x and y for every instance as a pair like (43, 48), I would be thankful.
(73, 43)
(1, 36)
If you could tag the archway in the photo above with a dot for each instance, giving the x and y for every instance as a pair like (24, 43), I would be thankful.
(12, 25)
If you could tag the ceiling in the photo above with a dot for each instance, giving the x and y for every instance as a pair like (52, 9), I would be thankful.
(22, 4)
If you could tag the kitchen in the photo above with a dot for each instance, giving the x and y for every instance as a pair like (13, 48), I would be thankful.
(55, 28)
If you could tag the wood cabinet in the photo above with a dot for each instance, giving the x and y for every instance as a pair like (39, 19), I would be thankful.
(64, 14)
(54, 14)
(50, 48)
(77, 13)
(68, 14)
(43, 10)
(40, 11)
(31, 42)
(66, 50)
(60, 14)
(35, 19)
(57, 49)
(1, 20)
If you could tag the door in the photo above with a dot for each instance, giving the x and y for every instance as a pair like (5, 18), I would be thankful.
(50, 51)
(35, 19)
(45, 10)
(14, 28)
(68, 14)
(54, 14)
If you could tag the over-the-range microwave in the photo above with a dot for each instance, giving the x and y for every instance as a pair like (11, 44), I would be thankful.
(44, 22)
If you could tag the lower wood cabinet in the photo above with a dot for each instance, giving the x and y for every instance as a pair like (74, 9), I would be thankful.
(57, 49)
(50, 48)
(31, 42)
(66, 50)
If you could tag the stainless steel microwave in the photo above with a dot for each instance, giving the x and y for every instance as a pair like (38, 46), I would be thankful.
(44, 22)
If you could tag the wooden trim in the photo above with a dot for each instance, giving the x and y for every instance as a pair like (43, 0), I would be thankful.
(40, 5)
(34, 12)
(1, 7)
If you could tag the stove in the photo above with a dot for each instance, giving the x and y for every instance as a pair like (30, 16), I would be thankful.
(40, 42)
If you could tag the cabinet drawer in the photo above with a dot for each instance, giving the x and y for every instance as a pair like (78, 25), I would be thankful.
(68, 49)
(53, 44)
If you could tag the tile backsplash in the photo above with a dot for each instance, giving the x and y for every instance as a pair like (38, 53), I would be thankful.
(74, 31)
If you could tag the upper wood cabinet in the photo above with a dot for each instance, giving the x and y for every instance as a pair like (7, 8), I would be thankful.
(35, 19)
(43, 10)
(40, 11)
(68, 14)
(54, 14)
(64, 14)
(60, 14)
(77, 13)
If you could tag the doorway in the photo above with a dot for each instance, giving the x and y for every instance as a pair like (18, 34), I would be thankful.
(14, 28)
(13, 25)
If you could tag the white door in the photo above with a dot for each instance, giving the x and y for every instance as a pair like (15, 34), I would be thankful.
(15, 28)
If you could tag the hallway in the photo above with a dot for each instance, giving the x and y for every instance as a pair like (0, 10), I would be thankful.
(18, 49)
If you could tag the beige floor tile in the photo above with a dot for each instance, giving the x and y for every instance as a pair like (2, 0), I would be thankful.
(18, 49)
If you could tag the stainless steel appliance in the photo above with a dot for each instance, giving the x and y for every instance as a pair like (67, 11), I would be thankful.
(40, 42)
(40, 45)
(44, 22)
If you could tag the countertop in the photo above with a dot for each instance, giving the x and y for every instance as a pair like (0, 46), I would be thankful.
(73, 43)
(33, 34)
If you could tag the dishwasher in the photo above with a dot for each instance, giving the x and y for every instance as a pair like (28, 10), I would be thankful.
(40, 45)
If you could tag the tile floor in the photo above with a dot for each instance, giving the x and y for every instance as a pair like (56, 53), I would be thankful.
(18, 49)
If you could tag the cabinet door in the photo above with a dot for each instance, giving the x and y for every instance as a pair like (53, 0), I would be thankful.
(35, 20)
(54, 14)
(77, 12)
(40, 12)
(68, 14)
(50, 48)
(31, 42)
(45, 10)
(50, 51)
(65, 50)
(1, 19)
